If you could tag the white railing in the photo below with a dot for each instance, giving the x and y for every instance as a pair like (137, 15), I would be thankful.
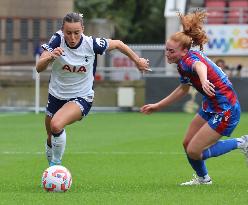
(28, 73)
(20, 85)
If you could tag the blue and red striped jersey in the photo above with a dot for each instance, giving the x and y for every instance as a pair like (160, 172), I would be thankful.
(225, 95)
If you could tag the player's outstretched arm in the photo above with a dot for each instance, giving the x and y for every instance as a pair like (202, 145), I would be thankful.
(177, 94)
(141, 63)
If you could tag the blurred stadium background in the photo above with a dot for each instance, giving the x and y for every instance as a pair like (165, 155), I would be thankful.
(118, 85)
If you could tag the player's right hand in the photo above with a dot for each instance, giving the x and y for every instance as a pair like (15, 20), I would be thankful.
(57, 52)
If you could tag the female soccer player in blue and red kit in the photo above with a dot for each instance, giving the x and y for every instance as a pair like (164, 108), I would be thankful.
(220, 112)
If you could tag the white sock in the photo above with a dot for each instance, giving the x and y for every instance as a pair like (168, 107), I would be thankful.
(58, 147)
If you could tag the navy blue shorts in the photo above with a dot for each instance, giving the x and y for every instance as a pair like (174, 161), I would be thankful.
(225, 122)
(54, 104)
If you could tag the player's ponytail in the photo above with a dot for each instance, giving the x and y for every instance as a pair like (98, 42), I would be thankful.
(192, 33)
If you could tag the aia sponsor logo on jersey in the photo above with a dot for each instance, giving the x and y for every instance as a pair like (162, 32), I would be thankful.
(74, 69)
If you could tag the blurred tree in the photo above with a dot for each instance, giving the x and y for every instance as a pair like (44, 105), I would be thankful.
(135, 21)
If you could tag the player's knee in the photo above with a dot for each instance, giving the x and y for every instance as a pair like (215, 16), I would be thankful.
(193, 154)
(55, 126)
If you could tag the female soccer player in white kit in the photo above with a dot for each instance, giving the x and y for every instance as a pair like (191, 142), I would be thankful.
(73, 58)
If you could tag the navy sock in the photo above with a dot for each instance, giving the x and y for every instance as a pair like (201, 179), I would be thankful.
(199, 166)
(219, 148)
(58, 134)
(49, 144)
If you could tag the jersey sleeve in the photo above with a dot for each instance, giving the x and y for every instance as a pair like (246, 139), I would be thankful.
(184, 80)
(100, 45)
(53, 43)
(189, 62)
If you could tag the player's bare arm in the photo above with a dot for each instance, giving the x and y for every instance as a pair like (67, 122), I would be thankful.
(48, 57)
(207, 86)
(141, 63)
(45, 59)
(177, 94)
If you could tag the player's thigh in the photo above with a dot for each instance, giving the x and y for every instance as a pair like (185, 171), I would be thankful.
(67, 114)
(193, 128)
(203, 139)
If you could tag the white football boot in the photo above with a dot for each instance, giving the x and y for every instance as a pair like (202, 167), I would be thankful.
(244, 146)
(198, 181)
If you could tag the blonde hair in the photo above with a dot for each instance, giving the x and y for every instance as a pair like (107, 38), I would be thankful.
(193, 33)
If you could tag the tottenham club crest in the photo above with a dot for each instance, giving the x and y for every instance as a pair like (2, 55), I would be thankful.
(86, 58)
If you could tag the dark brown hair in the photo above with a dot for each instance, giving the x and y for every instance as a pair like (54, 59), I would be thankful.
(73, 18)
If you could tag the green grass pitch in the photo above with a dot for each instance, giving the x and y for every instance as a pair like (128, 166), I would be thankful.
(116, 158)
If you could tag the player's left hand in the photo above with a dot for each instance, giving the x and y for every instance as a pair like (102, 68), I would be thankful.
(208, 88)
(57, 52)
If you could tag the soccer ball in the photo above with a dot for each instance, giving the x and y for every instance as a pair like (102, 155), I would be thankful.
(56, 179)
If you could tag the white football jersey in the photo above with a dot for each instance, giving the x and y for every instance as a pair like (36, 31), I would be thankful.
(73, 72)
